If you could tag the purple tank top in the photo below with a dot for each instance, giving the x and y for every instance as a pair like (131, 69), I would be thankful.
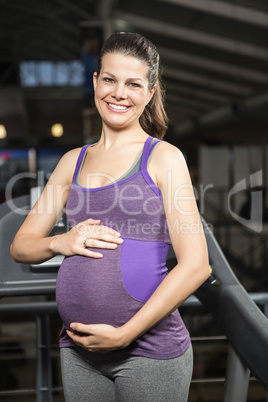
(112, 289)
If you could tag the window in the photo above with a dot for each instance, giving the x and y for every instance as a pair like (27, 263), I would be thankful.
(48, 73)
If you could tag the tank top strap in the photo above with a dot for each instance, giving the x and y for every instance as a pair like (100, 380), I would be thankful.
(148, 149)
(79, 161)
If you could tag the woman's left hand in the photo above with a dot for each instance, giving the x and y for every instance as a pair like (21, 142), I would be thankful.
(100, 338)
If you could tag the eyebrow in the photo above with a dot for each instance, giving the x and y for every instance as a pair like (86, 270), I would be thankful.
(129, 79)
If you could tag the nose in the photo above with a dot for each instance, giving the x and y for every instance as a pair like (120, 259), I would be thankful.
(119, 91)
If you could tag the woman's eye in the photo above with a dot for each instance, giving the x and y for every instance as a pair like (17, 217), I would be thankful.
(134, 85)
(106, 79)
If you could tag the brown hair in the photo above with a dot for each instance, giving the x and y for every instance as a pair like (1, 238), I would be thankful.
(154, 119)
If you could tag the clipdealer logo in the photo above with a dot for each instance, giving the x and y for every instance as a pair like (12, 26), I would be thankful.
(255, 221)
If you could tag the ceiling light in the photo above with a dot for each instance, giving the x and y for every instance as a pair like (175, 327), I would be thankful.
(57, 130)
(3, 132)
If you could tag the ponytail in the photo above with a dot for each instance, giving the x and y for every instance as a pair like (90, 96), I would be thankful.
(154, 120)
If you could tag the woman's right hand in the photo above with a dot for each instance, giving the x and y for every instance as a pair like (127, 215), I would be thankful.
(85, 235)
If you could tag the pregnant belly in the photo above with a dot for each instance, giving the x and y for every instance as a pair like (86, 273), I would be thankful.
(91, 291)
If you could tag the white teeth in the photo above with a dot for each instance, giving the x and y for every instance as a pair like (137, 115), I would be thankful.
(117, 107)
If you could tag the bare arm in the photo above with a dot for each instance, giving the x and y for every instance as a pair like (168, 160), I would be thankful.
(169, 170)
(32, 244)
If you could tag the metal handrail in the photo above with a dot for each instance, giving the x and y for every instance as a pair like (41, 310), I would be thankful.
(260, 298)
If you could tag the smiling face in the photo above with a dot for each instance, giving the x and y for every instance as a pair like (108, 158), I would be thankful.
(122, 90)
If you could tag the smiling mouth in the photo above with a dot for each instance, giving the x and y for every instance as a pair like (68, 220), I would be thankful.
(118, 108)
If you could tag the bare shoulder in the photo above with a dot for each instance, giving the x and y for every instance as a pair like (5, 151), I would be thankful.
(71, 156)
(168, 163)
(66, 166)
(167, 155)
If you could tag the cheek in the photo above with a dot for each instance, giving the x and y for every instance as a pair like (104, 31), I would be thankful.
(97, 98)
(100, 92)
(140, 97)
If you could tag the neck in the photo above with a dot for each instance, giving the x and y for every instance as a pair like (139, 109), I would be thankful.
(118, 138)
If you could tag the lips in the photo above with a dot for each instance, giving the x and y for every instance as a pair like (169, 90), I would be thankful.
(117, 108)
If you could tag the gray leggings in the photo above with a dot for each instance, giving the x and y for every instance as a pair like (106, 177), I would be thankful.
(113, 377)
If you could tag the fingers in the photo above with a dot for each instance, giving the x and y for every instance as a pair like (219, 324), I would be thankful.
(91, 254)
(84, 342)
(85, 329)
(91, 228)
(82, 329)
(103, 233)
(90, 234)
(91, 337)
(91, 221)
(106, 242)
(100, 338)
(78, 340)
(92, 243)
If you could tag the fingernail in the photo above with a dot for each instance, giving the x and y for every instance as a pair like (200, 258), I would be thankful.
(72, 326)
(120, 240)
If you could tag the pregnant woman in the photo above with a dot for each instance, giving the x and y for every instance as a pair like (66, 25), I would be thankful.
(127, 197)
